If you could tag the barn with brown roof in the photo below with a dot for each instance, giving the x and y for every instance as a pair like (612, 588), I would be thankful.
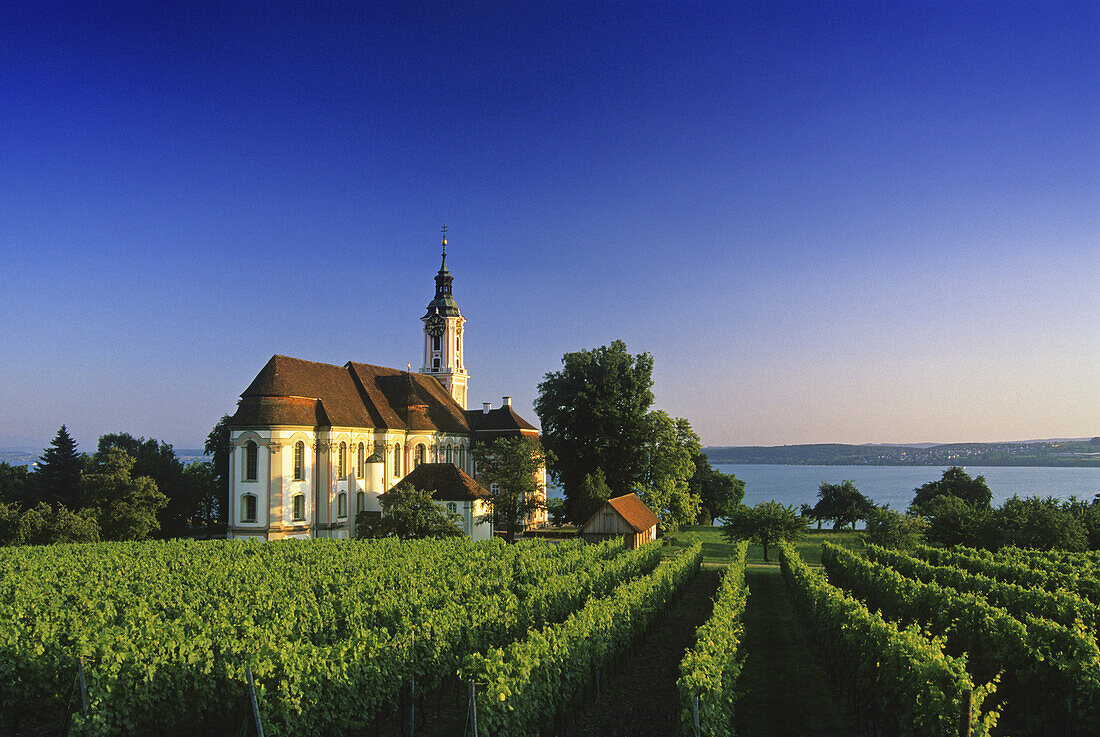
(624, 516)
(316, 443)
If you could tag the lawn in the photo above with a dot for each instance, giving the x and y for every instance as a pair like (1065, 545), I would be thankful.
(717, 550)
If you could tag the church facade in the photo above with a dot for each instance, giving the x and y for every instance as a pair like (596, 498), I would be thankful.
(314, 444)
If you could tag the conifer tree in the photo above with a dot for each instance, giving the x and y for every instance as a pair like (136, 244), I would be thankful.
(57, 479)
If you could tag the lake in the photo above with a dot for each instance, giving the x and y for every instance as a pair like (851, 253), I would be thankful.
(893, 485)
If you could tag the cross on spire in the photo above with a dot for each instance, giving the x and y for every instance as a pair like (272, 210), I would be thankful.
(444, 229)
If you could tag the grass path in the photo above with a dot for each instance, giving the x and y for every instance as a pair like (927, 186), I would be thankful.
(787, 693)
(642, 698)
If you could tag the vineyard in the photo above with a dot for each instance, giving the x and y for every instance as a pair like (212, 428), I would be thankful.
(364, 637)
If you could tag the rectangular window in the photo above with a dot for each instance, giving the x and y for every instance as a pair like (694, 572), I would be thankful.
(248, 508)
(251, 460)
(299, 507)
(299, 461)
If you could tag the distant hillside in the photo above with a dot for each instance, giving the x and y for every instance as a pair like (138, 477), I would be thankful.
(1023, 453)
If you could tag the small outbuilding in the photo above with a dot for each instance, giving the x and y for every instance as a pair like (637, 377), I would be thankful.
(624, 516)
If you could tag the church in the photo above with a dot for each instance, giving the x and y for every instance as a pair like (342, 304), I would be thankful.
(314, 444)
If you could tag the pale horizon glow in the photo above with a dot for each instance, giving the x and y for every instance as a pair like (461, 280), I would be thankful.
(828, 223)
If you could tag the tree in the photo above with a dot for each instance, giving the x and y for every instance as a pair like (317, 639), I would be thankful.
(57, 478)
(158, 461)
(719, 494)
(810, 513)
(509, 468)
(593, 493)
(203, 483)
(220, 447)
(957, 483)
(951, 521)
(45, 525)
(891, 529)
(842, 503)
(556, 508)
(408, 513)
(765, 524)
(1088, 514)
(9, 524)
(124, 506)
(669, 449)
(13, 484)
(593, 415)
(1033, 522)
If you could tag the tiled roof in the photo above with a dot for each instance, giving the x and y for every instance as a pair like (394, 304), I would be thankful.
(633, 510)
(497, 422)
(448, 482)
(291, 391)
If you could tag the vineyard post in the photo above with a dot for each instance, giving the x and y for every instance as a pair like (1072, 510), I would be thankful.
(255, 706)
(964, 716)
(83, 685)
(412, 704)
(473, 709)
(695, 713)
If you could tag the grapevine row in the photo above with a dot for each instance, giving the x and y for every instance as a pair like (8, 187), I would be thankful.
(523, 686)
(1050, 673)
(1063, 607)
(327, 627)
(709, 671)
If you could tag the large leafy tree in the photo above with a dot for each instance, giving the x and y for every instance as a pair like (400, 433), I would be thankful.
(593, 493)
(765, 524)
(593, 415)
(13, 484)
(220, 448)
(44, 524)
(670, 447)
(951, 521)
(57, 478)
(720, 494)
(956, 482)
(1034, 522)
(892, 529)
(158, 461)
(842, 503)
(408, 513)
(125, 506)
(509, 468)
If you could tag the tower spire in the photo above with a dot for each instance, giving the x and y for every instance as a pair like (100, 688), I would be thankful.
(444, 266)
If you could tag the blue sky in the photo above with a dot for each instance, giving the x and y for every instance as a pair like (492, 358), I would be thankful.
(828, 222)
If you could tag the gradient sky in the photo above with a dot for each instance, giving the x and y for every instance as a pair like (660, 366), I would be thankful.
(828, 222)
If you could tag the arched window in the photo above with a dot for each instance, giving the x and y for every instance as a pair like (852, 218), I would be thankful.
(342, 504)
(299, 461)
(462, 457)
(248, 508)
(250, 460)
(435, 342)
(299, 509)
(361, 460)
(397, 460)
(419, 456)
(360, 502)
(449, 454)
(343, 464)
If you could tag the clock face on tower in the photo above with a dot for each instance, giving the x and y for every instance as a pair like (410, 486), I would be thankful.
(435, 325)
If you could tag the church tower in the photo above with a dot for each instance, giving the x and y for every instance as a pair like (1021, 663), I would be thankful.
(443, 356)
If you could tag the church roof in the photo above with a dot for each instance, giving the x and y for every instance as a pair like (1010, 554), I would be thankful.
(448, 482)
(290, 391)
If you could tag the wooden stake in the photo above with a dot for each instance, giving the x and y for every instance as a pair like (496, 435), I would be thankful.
(695, 713)
(964, 716)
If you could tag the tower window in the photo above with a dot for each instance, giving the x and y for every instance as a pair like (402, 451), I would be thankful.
(435, 363)
(248, 508)
(250, 460)
(299, 507)
(299, 461)
(435, 342)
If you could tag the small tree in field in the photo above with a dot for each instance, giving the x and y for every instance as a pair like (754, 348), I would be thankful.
(508, 467)
(766, 524)
(410, 514)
